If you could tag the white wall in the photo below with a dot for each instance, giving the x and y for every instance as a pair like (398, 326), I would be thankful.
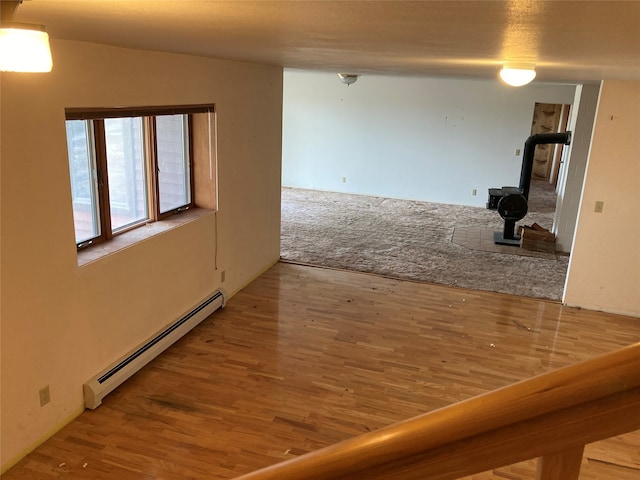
(431, 139)
(604, 270)
(61, 323)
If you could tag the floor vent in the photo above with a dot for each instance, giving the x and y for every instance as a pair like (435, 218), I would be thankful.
(105, 382)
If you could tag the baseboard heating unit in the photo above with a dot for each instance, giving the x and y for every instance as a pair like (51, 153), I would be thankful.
(116, 374)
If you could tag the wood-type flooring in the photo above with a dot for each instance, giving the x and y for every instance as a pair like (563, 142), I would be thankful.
(305, 357)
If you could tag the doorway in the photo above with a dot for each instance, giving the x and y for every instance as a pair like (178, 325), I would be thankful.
(548, 118)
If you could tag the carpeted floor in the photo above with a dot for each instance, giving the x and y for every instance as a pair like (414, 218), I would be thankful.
(417, 241)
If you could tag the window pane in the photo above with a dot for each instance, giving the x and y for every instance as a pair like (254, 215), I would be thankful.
(83, 180)
(126, 171)
(173, 162)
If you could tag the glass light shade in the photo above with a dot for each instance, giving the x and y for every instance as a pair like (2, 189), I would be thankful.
(517, 77)
(348, 78)
(24, 50)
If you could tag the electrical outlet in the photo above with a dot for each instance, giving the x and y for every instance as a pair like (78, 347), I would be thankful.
(474, 192)
(344, 179)
(517, 152)
(599, 206)
(223, 276)
(45, 396)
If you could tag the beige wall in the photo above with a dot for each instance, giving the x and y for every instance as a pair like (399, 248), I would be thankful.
(604, 270)
(61, 323)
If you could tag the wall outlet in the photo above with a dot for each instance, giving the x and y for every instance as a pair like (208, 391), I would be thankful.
(45, 396)
(344, 179)
(474, 192)
(599, 206)
(223, 276)
(517, 152)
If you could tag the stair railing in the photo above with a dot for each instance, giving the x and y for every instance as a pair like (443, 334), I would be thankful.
(550, 417)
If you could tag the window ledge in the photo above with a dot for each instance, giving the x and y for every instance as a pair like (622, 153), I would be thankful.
(127, 239)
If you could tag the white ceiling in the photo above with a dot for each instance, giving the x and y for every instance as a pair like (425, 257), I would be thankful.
(569, 41)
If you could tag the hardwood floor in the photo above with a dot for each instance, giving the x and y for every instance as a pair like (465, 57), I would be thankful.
(305, 357)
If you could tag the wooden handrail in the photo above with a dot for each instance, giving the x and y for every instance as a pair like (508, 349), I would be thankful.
(551, 414)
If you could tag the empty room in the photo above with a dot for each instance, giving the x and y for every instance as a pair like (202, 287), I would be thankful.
(399, 168)
(154, 156)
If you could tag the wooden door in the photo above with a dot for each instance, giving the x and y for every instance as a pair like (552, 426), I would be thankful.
(546, 119)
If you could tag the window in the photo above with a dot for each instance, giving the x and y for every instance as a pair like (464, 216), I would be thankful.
(129, 167)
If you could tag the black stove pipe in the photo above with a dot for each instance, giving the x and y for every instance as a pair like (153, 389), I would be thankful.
(529, 151)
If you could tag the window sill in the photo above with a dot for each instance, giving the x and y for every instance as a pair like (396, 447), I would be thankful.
(132, 237)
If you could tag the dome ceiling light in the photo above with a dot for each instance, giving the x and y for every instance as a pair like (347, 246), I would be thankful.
(517, 76)
(348, 78)
(24, 47)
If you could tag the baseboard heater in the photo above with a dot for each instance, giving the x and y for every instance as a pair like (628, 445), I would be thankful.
(116, 374)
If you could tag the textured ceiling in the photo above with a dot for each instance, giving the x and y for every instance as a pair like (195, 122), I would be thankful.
(568, 41)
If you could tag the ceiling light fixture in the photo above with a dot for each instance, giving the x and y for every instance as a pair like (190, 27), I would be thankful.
(24, 47)
(517, 76)
(348, 78)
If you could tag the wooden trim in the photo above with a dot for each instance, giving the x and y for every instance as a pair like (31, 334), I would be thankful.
(151, 165)
(92, 113)
(103, 179)
(188, 136)
(151, 145)
(192, 182)
(550, 413)
(557, 160)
